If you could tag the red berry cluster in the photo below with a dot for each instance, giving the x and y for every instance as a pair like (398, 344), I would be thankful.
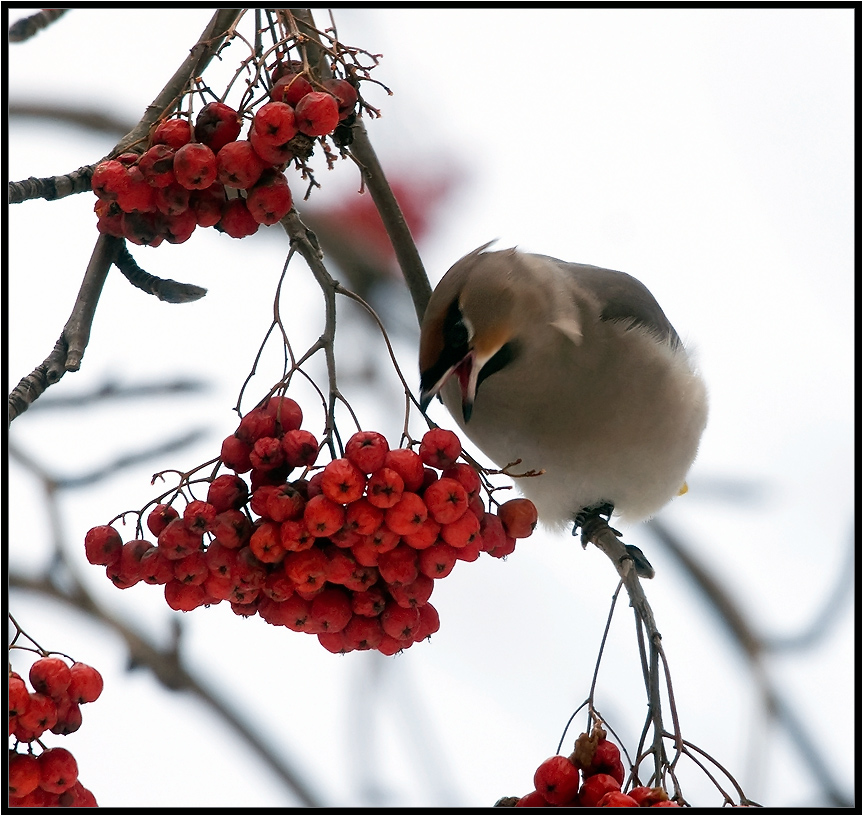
(591, 777)
(184, 180)
(350, 554)
(51, 778)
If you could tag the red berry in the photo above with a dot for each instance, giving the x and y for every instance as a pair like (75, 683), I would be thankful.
(300, 447)
(367, 450)
(503, 550)
(370, 602)
(192, 569)
(399, 622)
(199, 516)
(237, 165)
(606, 759)
(40, 715)
(467, 476)
(317, 114)
(285, 503)
(69, 718)
(408, 465)
(363, 632)
(492, 532)
(58, 770)
(195, 166)
(102, 545)
(429, 622)
(237, 222)
(343, 482)
(173, 132)
(519, 517)
(428, 534)
(289, 87)
(109, 218)
(110, 179)
(270, 199)
(235, 454)
(307, 569)
(416, 593)
(129, 566)
(331, 610)
(557, 780)
(159, 518)
(266, 543)
(470, 551)
(267, 453)
(157, 166)
(274, 122)
(437, 561)
(439, 448)
(184, 597)
(532, 799)
(208, 204)
(362, 517)
(177, 540)
(345, 95)
(648, 797)
(19, 696)
(231, 529)
(399, 565)
(595, 787)
(446, 500)
(143, 228)
(617, 799)
(155, 567)
(217, 125)
(366, 553)
(172, 200)
(385, 488)
(295, 612)
(666, 803)
(462, 532)
(295, 536)
(322, 516)
(333, 642)
(227, 492)
(407, 515)
(177, 229)
(286, 412)
(275, 154)
(258, 423)
(51, 676)
(23, 775)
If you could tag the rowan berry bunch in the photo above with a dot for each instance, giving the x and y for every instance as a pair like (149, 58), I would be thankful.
(349, 551)
(49, 778)
(592, 776)
(204, 175)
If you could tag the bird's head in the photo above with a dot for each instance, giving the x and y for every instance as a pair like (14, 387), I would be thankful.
(469, 329)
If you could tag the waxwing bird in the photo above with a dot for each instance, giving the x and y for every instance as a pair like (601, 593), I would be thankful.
(573, 369)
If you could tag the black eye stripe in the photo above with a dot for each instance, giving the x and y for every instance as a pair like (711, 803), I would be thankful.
(456, 339)
(455, 333)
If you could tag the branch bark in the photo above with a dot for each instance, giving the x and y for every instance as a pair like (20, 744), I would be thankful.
(69, 349)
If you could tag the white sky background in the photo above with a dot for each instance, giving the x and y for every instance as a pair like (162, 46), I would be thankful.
(707, 152)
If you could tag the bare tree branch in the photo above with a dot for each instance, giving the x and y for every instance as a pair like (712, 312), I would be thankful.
(69, 349)
(88, 118)
(28, 27)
